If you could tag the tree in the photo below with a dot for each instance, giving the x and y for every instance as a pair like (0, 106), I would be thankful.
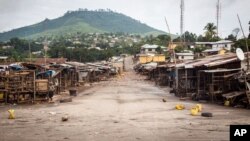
(198, 49)
(189, 37)
(159, 50)
(241, 43)
(210, 32)
(231, 37)
(179, 49)
(200, 38)
(163, 40)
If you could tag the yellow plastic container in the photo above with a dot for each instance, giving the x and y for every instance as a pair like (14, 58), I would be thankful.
(199, 107)
(227, 103)
(1, 95)
(194, 111)
(12, 114)
(180, 107)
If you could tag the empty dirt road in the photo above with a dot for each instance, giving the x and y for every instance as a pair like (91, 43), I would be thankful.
(126, 109)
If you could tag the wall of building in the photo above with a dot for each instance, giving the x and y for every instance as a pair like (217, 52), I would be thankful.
(185, 57)
(221, 46)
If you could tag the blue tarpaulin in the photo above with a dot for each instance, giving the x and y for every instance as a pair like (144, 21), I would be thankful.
(15, 67)
(48, 73)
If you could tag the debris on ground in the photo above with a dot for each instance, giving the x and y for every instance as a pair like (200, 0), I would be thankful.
(73, 92)
(11, 114)
(67, 99)
(65, 118)
(199, 107)
(227, 103)
(52, 113)
(183, 98)
(180, 107)
(239, 106)
(207, 114)
(194, 111)
(164, 100)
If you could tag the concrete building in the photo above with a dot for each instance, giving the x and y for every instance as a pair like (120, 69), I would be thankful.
(150, 49)
(185, 56)
(3, 59)
(223, 44)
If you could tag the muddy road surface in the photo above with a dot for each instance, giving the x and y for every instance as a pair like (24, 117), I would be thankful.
(125, 108)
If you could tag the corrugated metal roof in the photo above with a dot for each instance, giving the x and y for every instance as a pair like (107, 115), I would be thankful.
(220, 62)
(196, 64)
(214, 43)
(3, 57)
(210, 61)
(76, 64)
(151, 46)
(220, 70)
(213, 60)
(185, 54)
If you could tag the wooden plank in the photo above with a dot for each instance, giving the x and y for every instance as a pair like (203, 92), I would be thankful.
(233, 94)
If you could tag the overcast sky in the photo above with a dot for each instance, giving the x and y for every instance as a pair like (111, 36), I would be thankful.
(19, 13)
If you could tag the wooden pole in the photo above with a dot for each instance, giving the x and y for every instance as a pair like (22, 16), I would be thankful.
(198, 84)
(186, 80)
(170, 44)
(34, 83)
(29, 51)
(213, 87)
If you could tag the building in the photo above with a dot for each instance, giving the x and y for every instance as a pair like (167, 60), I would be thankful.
(97, 48)
(49, 60)
(70, 47)
(215, 51)
(3, 59)
(148, 49)
(223, 44)
(36, 52)
(173, 45)
(7, 47)
(147, 58)
(185, 56)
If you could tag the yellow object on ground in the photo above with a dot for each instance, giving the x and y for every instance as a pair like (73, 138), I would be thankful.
(227, 103)
(1, 95)
(12, 114)
(199, 107)
(194, 111)
(180, 107)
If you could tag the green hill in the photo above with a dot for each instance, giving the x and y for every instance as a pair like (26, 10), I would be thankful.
(82, 21)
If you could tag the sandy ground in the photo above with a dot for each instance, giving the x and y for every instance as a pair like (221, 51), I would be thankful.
(126, 108)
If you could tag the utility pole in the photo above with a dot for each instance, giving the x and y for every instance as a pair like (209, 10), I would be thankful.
(249, 31)
(29, 51)
(218, 16)
(45, 51)
(170, 44)
(182, 36)
(173, 51)
(245, 42)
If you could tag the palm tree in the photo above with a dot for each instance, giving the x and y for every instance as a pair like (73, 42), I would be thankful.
(210, 31)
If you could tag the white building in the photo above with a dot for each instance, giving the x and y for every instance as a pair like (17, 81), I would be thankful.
(3, 59)
(145, 49)
(185, 56)
(97, 48)
(6, 47)
(70, 47)
(223, 44)
(37, 52)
